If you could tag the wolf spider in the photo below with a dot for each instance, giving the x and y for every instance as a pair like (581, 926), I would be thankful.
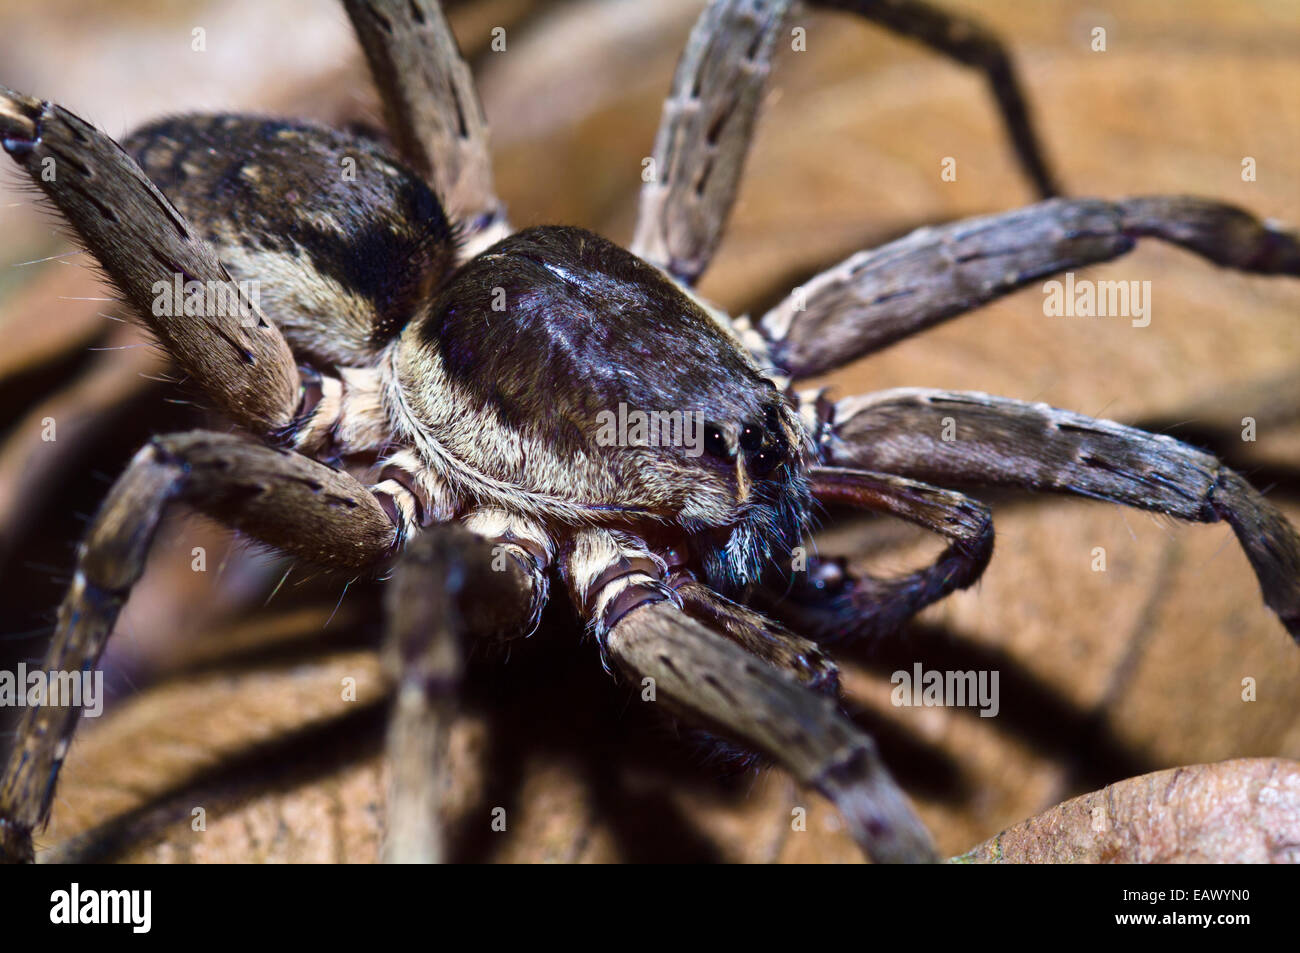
(421, 395)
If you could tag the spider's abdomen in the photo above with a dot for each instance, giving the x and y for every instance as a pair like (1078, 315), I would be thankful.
(342, 239)
(537, 344)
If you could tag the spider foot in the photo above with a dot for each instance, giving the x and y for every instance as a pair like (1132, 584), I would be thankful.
(20, 117)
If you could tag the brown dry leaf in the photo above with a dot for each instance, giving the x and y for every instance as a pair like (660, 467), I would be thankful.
(1245, 811)
(157, 769)
(1104, 675)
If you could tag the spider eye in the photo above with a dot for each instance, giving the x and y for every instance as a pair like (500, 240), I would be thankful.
(765, 461)
(716, 444)
(751, 438)
(829, 576)
(772, 419)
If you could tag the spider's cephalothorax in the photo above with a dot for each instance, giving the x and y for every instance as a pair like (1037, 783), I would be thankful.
(561, 376)
(484, 412)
